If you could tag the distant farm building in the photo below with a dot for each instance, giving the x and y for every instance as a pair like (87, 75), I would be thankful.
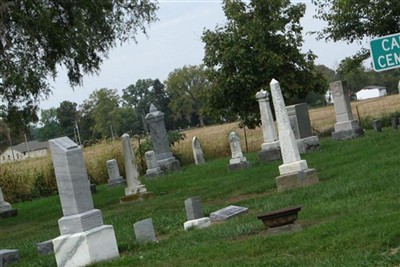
(31, 149)
(371, 92)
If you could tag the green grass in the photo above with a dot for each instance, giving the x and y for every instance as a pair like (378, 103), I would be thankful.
(350, 218)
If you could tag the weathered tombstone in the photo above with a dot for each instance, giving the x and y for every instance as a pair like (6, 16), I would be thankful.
(377, 125)
(294, 171)
(84, 238)
(152, 165)
(194, 209)
(144, 231)
(227, 213)
(166, 161)
(238, 161)
(270, 149)
(45, 247)
(197, 151)
(194, 214)
(5, 208)
(395, 122)
(345, 127)
(8, 256)
(114, 177)
(299, 119)
(135, 190)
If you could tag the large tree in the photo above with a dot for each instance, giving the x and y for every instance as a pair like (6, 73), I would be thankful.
(37, 36)
(353, 20)
(260, 41)
(186, 87)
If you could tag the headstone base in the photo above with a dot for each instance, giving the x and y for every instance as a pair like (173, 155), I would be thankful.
(80, 222)
(197, 223)
(45, 247)
(135, 197)
(116, 182)
(169, 165)
(8, 256)
(151, 173)
(289, 228)
(308, 144)
(239, 166)
(296, 180)
(85, 248)
(269, 155)
(8, 213)
(347, 134)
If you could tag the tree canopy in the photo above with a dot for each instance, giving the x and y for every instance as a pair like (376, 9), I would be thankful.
(260, 41)
(37, 36)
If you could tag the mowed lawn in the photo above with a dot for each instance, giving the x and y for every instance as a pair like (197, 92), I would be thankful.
(350, 218)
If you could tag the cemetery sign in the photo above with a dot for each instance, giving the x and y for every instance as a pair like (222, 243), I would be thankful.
(385, 52)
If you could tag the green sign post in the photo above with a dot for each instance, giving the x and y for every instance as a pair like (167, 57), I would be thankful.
(385, 52)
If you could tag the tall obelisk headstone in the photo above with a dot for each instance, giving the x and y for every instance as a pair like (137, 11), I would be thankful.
(294, 171)
(270, 149)
(135, 190)
(166, 161)
(197, 151)
(345, 127)
(84, 238)
(5, 208)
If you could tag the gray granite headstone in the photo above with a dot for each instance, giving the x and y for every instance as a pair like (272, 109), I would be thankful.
(377, 125)
(144, 231)
(197, 151)
(114, 177)
(194, 209)
(8, 256)
(152, 165)
(5, 208)
(155, 120)
(395, 122)
(227, 213)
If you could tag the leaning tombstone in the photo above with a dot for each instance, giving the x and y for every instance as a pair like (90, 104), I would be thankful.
(135, 190)
(5, 208)
(345, 127)
(144, 231)
(84, 238)
(114, 178)
(238, 161)
(8, 257)
(197, 151)
(294, 171)
(166, 161)
(299, 119)
(377, 125)
(152, 165)
(195, 215)
(270, 149)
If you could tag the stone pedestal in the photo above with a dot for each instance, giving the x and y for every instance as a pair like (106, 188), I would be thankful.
(270, 149)
(296, 180)
(84, 239)
(345, 127)
(45, 247)
(114, 177)
(166, 161)
(308, 144)
(238, 161)
(294, 171)
(152, 165)
(8, 257)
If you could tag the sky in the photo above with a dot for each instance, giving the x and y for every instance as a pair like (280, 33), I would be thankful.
(173, 42)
